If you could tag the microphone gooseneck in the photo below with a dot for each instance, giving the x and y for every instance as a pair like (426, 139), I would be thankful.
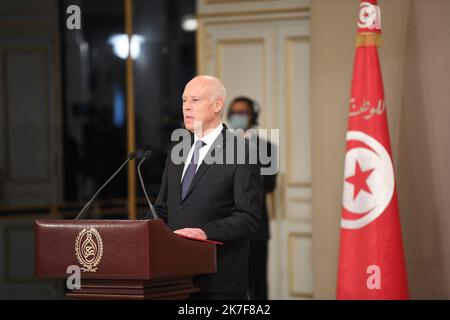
(80, 215)
(147, 154)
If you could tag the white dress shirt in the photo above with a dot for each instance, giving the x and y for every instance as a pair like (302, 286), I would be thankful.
(208, 139)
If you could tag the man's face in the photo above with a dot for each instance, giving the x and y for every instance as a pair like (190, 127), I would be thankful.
(198, 105)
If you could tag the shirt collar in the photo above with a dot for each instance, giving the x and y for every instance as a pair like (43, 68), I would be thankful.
(210, 137)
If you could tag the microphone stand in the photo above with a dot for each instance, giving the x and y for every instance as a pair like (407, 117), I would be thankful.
(80, 215)
(152, 209)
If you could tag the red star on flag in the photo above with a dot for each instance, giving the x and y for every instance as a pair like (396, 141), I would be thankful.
(359, 180)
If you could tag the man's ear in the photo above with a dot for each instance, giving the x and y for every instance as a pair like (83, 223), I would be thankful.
(218, 106)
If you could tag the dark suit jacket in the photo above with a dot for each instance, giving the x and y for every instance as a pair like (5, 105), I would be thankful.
(224, 200)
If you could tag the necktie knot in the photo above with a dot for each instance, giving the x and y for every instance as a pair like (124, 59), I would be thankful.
(198, 145)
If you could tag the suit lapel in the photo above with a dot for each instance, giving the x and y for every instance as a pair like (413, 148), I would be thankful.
(178, 173)
(216, 150)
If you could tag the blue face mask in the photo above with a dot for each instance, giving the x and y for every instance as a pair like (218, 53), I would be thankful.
(239, 121)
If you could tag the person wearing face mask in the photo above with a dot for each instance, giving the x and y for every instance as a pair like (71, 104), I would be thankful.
(243, 114)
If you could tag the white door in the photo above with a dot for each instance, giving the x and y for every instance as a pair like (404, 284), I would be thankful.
(265, 54)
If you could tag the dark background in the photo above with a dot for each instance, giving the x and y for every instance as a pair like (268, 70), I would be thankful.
(94, 102)
(63, 117)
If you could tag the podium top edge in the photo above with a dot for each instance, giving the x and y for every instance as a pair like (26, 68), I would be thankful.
(94, 221)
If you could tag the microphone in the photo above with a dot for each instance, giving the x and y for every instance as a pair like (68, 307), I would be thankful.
(131, 156)
(147, 154)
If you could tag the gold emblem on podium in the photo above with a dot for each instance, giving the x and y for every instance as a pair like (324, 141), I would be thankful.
(89, 249)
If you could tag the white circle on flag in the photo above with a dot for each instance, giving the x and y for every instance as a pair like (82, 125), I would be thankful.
(368, 205)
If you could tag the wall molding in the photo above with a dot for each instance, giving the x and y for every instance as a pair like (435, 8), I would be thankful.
(292, 236)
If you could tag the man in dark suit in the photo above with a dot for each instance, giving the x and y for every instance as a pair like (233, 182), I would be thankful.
(211, 195)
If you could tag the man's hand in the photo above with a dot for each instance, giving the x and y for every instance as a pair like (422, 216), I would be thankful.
(192, 232)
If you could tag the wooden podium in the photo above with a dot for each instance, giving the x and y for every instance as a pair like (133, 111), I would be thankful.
(122, 259)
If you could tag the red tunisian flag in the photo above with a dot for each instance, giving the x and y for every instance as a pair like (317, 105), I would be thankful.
(371, 260)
